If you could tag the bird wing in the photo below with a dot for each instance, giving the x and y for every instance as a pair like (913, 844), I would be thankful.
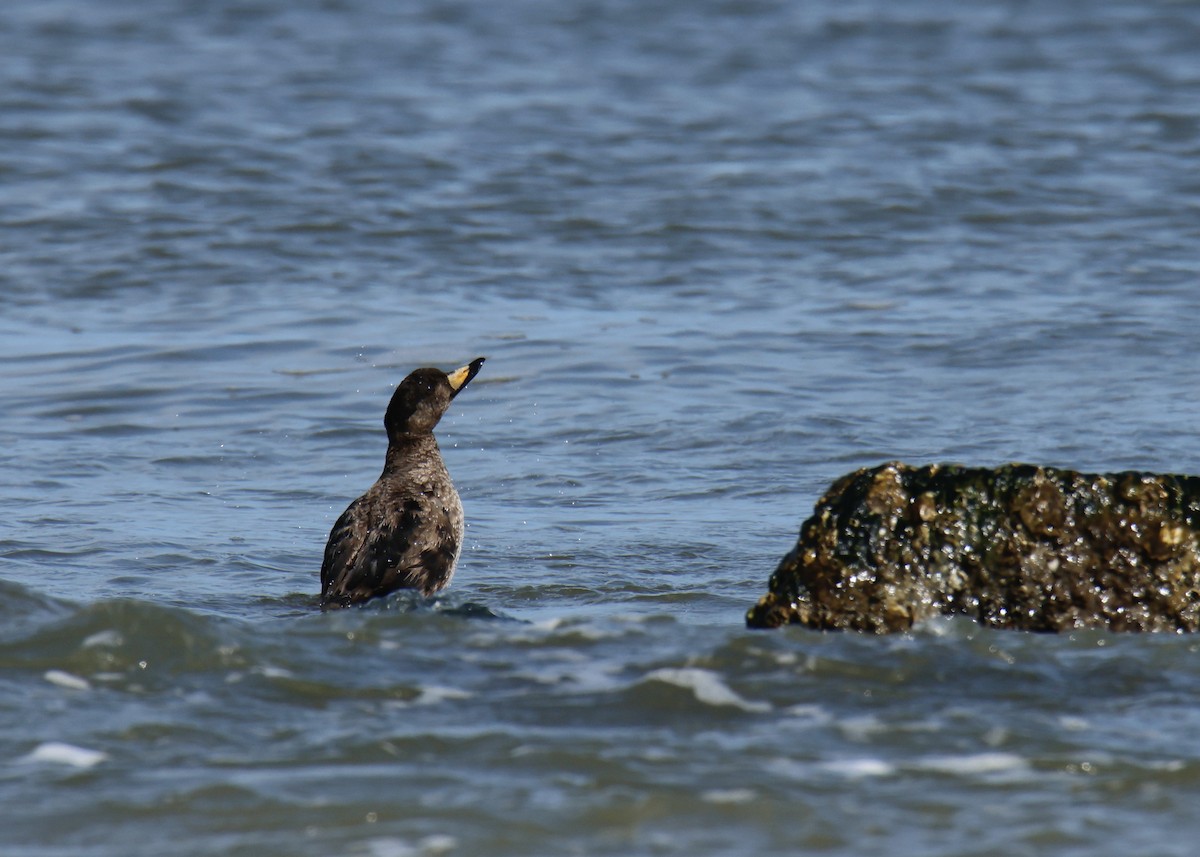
(410, 546)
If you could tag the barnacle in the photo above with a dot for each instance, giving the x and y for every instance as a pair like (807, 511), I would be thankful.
(1017, 546)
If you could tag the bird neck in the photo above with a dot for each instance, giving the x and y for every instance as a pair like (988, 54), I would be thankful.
(402, 447)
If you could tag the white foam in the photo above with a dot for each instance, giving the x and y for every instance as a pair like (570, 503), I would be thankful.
(861, 728)
(859, 768)
(268, 671)
(58, 753)
(430, 846)
(1171, 765)
(707, 686)
(66, 679)
(433, 694)
(728, 796)
(110, 638)
(390, 847)
(974, 764)
(438, 843)
(806, 714)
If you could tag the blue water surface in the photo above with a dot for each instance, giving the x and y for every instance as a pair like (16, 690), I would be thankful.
(717, 254)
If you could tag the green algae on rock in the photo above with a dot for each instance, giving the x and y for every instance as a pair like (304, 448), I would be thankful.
(1018, 546)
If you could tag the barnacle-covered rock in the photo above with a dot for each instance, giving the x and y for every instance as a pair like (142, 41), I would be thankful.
(1017, 546)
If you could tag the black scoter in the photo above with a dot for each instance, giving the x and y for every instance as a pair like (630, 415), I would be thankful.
(406, 532)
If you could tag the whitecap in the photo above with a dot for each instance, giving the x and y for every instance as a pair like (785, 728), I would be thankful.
(707, 687)
(728, 796)
(861, 728)
(110, 638)
(390, 847)
(66, 679)
(434, 845)
(58, 753)
(438, 843)
(433, 694)
(974, 764)
(807, 714)
(268, 671)
(858, 768)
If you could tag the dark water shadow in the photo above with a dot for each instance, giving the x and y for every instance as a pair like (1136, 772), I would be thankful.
(298, 604)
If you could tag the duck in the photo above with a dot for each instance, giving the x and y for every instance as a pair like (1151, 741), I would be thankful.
(406, 531)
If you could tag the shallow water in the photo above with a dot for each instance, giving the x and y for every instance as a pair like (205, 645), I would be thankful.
(717, 255)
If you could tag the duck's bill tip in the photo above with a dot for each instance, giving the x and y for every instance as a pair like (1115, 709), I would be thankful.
(460, 377)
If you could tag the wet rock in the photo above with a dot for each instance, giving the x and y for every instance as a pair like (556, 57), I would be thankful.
(1018, 546)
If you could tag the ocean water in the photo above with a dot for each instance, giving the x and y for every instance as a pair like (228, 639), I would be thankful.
(717, 254)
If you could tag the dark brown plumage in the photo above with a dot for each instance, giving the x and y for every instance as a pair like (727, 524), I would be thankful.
(406, 532)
